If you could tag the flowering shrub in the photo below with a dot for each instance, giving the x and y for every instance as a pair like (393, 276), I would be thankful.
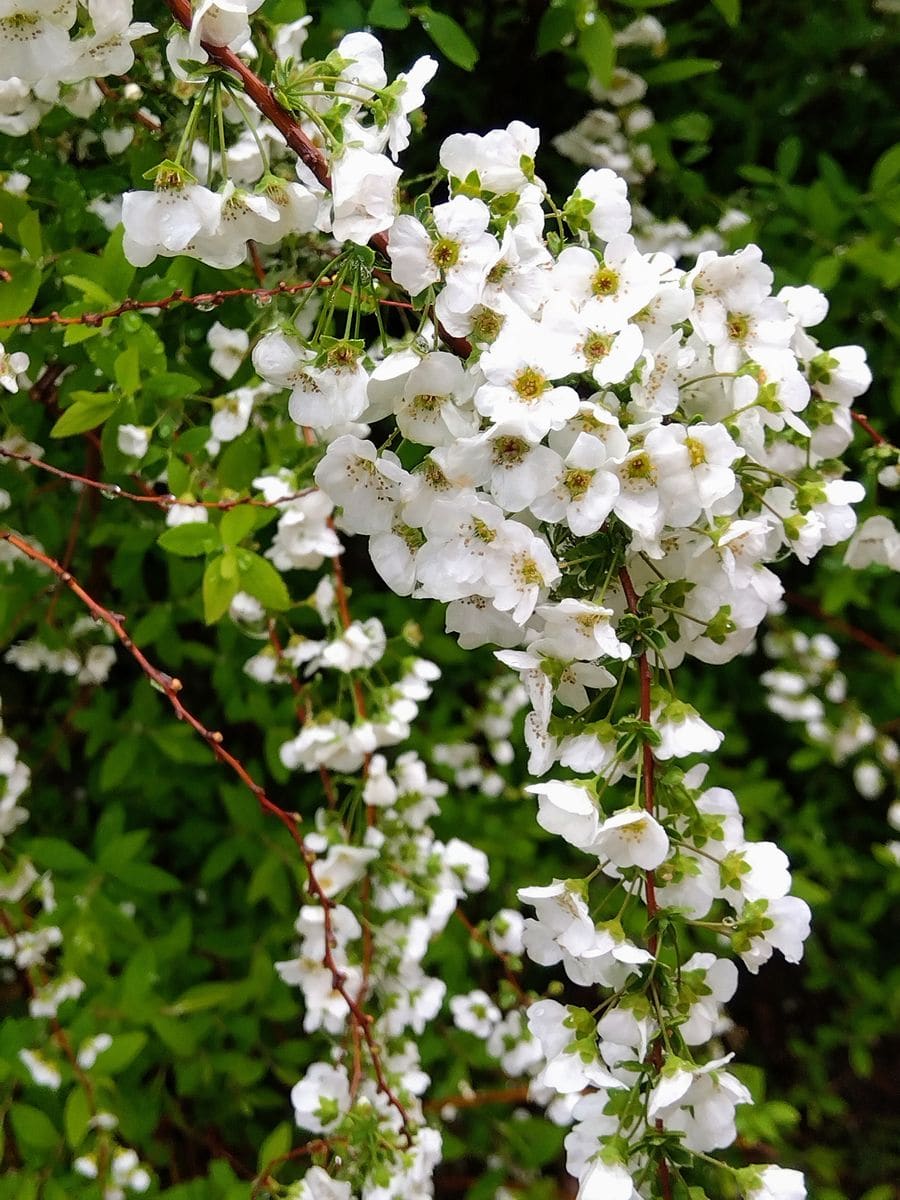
(394, 515)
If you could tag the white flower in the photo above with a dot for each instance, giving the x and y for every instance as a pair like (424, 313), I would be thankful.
(772, 1183)
(367, 485)
(317, 1184)
(41, 1069)
(11, 367)
(461, 252)
(166, 221)
(133, 440)
(475, 1012)
(321, 1097)
(229, 346)
(606, 1181)
(632, 838)
(364, 193)
(601, 199)
(92, 1048)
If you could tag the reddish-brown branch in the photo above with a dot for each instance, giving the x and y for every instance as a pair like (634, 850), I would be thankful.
(863, 422)
(171, 689)
(851, 631)
(511, 977)
(510, 1095)
(201, 299)
(59, 1034)
(648, 767)
(293, 134)
(114, 492)
(302, 707)
(138, 115)
(258, 269)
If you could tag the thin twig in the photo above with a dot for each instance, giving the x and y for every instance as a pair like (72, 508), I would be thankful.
(655, 1055)
(114, 492)
(171, 688)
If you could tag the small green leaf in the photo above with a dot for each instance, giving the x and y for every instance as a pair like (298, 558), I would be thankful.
(145, 877)
(730, 10)
(449, 37)
(124, 1050)
(219, 589)
(85, 414)
(90, 289)
(208, 995)
(57, 855)
(76, 1116)
(556, 24)
(190, 540)
(237, 523)
(388, 14)
(597, 48)
(17, 293)
(30, 234)
(122, 849)
(683, 68)
(128, 371)
(261, 580)
(33, 1127)
(886, 170)
(277, 1144)
(170, 386)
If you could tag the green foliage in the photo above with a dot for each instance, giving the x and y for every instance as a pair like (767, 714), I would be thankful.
(175, 891)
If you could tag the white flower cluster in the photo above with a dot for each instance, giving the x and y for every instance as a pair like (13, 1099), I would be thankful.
(808, 687)
(52, 52)
(416, 882)
(29, 948)
(89, 665)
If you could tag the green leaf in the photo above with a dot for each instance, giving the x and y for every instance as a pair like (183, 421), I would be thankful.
(170, 386)
(33, 1127)
(449, 37)
(261, 580)
(681, 69)
(388, 14)
(124, 1050)
(886, 170)
(115, 269)
(556, 24)
(219, 588)
(276, 1144)
(90, 289)
(730, 10)
(89, 411)
(17, 293)
(788, 156)
(190, 540)
(118, 762)
(57, 855)
(145, 877)
(76, 1116)
(209, 995)
(237, 523)
(122, 849)
(597, 48)
(128, 371)
(30, 234)
(182, 745)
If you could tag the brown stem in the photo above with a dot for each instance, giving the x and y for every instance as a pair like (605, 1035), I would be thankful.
(293, 134)
(171, 689)
(851, 631)
(863, 422)
(656, 1050)
(113, 490)
(476, 935)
